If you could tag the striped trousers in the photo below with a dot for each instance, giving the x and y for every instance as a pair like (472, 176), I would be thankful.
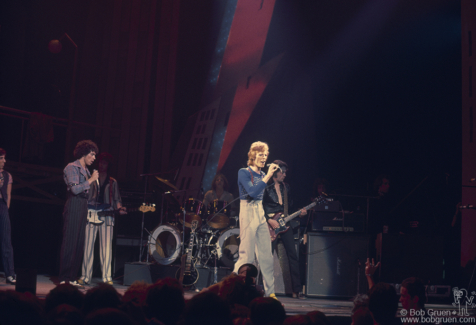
(74, 220)
(105, 249)
(6, 240)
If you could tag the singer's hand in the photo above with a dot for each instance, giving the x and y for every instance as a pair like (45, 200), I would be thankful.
(94, 177)
(272, 168)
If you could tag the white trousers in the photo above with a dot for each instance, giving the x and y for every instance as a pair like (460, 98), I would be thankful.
(105, 249)
(255, 239)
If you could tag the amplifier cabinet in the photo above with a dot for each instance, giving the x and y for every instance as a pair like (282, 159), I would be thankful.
(336, 221)
(336, 265)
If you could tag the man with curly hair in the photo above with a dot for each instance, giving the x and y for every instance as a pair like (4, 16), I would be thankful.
(78, 180)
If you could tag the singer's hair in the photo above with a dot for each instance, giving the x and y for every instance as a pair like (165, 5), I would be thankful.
(281, 165)
(84, 147)
(256, 147)
(225, 182)
(2, 152)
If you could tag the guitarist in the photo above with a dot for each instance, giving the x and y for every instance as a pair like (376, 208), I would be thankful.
(276, 200)
(106, 197)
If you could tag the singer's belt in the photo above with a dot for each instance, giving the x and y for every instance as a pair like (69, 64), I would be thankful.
(82, 195)
(252, 201)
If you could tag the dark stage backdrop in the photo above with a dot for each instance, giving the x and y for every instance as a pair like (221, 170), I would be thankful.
(349, 103)
(364, 87)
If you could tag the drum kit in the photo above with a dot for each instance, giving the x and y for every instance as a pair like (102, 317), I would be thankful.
(216, 239)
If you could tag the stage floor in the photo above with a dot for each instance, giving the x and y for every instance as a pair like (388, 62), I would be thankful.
(330, 307)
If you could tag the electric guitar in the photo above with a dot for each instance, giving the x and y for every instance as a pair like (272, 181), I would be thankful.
(282, 221)
(93, 215)
(188, 273)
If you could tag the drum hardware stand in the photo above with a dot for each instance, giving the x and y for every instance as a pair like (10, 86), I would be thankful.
(183, 232)
(199, 254)
(150, 236)
(215, 269)
(162, 214)
(143, 214)
(162, 203)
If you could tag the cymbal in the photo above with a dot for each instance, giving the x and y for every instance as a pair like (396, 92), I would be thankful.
(172, 200)
(166, 182)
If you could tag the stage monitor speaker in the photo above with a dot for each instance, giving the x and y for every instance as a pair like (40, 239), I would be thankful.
(147, 272)
(150, 273)
(206, 276)
(26, 280)
(336, 265)
(126, 250)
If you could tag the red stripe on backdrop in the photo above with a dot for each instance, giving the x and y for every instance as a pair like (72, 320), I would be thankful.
(240, 66)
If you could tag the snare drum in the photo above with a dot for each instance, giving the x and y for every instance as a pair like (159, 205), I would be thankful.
(165, 244)
(219, 215)
(193, 211)
(228, 245)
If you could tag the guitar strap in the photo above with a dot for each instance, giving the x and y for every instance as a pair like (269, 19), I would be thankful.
(110, 192)
(285, 212)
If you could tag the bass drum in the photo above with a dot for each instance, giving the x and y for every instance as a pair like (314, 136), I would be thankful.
(227, 246)
(165, 244)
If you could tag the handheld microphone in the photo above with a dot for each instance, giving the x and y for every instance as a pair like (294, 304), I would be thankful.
(270, 165)
(97, 180)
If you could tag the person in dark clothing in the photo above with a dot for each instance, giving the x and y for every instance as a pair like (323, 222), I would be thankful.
(78, 181)
(276, 199)
(6, 248)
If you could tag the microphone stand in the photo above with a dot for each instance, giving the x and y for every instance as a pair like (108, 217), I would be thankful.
(162, 211)
(143, 221)
(141, 246)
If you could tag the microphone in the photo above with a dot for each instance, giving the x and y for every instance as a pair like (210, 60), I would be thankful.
(270, 165)
(97, 180)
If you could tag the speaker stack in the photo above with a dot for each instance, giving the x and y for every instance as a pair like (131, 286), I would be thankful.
(336, 265)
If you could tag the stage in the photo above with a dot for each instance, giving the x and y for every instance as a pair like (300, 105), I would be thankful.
(337, 309)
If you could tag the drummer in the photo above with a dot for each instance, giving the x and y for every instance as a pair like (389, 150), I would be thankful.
(219, 191)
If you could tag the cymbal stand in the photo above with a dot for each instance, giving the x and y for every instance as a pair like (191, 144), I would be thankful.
(183, 232)
(143, 222)
(150, 236)
(215, 268)
(143, 214)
